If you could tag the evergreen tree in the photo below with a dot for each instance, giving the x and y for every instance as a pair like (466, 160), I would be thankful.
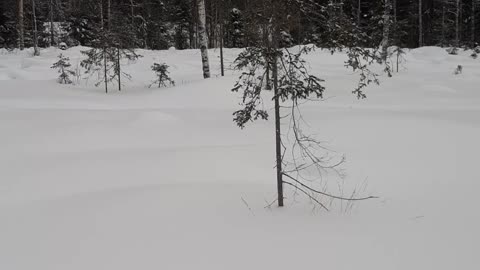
(8, 25)
(235, 29)
(293, 83)
(162, 74)
(62, 66)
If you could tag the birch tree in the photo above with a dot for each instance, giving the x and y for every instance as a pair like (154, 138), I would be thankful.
(202, 33)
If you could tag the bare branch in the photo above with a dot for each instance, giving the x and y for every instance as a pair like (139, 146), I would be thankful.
(307, 194)
(329, 195)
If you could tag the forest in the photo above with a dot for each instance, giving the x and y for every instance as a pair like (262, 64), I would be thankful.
(161, 24)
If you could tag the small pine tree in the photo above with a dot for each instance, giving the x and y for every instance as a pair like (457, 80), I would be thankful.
(458, 70)
(106, 57)
(63, 65)
(293, 84)
(99, 61)
(399, 54)
(161, 72)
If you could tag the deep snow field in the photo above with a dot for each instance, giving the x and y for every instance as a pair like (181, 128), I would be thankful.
(154, 178)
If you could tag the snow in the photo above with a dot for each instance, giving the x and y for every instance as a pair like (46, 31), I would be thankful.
(154, 178)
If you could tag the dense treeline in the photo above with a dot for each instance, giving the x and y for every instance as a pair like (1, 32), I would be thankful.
(160, 24)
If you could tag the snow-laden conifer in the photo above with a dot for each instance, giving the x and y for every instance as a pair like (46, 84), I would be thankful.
(63, 67)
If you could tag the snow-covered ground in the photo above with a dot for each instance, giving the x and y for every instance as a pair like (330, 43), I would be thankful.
(163, 179)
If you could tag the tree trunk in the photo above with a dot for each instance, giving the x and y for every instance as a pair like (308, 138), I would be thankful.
(203, 38)
(222, 66)
(278, 134)
(473, 22)
(105, 69)
(443, 25)
(36, 52)
(395, 24)
(101, 15)
(278, 131)
(119, 71)
(386, 28)
(222, 10)
(52, 32)
(420, 23)
(268, 44)
(21, 26)
(457, 24)
(266, 40)
(398, 58)
(146, 8)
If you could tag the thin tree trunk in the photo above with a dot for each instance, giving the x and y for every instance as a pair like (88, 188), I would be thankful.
(50, 15)
(398, 58)
(195, 24)
(36, 52)
(443, 25)
(119, 70)
(147, 9)
(473, 21)
(386, 28)
(276, 91)
(105, 69)
(104, 49)
(191, 35)
(21, 26)
(268, 44)
(457, 24)
(395, 25)
(420, 23)
(222, 67)
(266, 40)
(101, 15)
(203, 38)
(278, 134)
(52, 32)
